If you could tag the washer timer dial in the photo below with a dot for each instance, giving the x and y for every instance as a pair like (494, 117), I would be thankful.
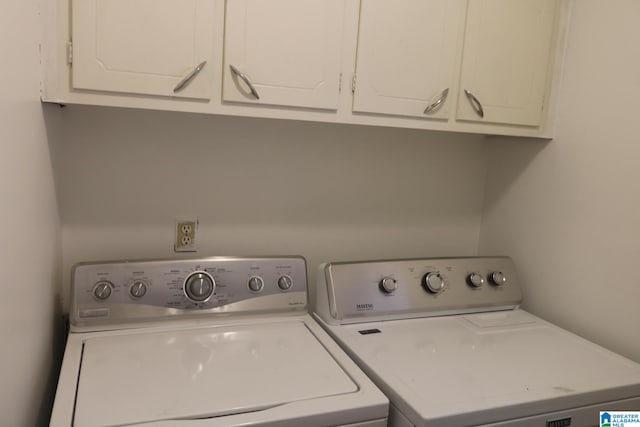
(199, 286)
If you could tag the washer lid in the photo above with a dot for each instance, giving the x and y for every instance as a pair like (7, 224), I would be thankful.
(201, 373)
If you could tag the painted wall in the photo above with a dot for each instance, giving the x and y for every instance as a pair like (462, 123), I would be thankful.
(329, 192)
(569, 211)
(30, 326)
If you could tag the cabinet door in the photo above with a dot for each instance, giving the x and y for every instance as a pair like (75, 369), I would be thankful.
(407, 51)
(143, 46)
(287, 51)
(507, 49)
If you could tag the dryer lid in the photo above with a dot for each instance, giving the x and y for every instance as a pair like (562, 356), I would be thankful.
(486, 367)
(200, 373)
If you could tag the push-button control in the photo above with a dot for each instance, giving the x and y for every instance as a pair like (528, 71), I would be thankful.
(388, 285)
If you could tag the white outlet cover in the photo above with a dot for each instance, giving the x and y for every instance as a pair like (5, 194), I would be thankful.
(186, 229)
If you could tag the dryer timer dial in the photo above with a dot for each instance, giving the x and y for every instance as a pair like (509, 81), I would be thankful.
(433, 282)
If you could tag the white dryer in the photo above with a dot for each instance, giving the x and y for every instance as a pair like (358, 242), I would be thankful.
(445, 340)
(205, 342)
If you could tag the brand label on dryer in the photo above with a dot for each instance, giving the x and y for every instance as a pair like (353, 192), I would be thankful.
(364, 307)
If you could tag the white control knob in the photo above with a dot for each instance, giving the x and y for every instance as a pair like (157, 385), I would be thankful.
(285, 283)
(388, 285)
(433, 282)
(475, 280)
(138, 289)
(255, 283)
(102, 290)
(498, 278)
(199, 286)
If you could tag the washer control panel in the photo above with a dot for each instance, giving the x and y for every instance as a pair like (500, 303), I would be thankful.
(391, 289)
(130, 291)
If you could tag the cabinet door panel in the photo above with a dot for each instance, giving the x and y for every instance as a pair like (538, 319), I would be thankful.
(143, 46)
(407, 55)
(506, 56)
(290, 50)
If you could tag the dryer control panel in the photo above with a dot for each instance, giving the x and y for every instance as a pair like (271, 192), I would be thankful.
(349, 292)
(142, 291)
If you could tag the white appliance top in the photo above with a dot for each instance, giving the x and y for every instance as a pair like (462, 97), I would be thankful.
(445, 340)
(202, 372)
(485, 367)
(211, 341)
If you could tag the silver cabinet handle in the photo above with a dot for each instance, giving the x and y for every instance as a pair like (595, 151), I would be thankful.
(184, 82)
(245, 79)
(477, 107)
(435, 106)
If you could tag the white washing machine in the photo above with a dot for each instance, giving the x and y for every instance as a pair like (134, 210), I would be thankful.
(205, 342)
(444, 339)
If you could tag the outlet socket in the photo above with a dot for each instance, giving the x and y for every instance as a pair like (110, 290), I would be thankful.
(185, 240)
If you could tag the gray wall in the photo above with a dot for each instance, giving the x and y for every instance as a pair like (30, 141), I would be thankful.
(30, 328)
(329, 192)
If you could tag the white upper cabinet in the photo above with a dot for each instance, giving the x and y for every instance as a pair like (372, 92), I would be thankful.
(283, 52)
(480, 66)
(406, 59)
(144, 47)
(508, 47)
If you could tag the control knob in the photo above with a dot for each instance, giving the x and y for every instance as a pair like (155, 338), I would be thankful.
(255, 283)
(102, 290)
(498, 278)
(388, 285)
(138, 289)
(199, 286)
(475, 280)
(285, 283)
(433, 282)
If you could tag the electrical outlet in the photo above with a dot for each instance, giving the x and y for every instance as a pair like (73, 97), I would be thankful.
(185, 240)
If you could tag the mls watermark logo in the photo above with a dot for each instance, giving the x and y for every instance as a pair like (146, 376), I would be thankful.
(619, 418)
